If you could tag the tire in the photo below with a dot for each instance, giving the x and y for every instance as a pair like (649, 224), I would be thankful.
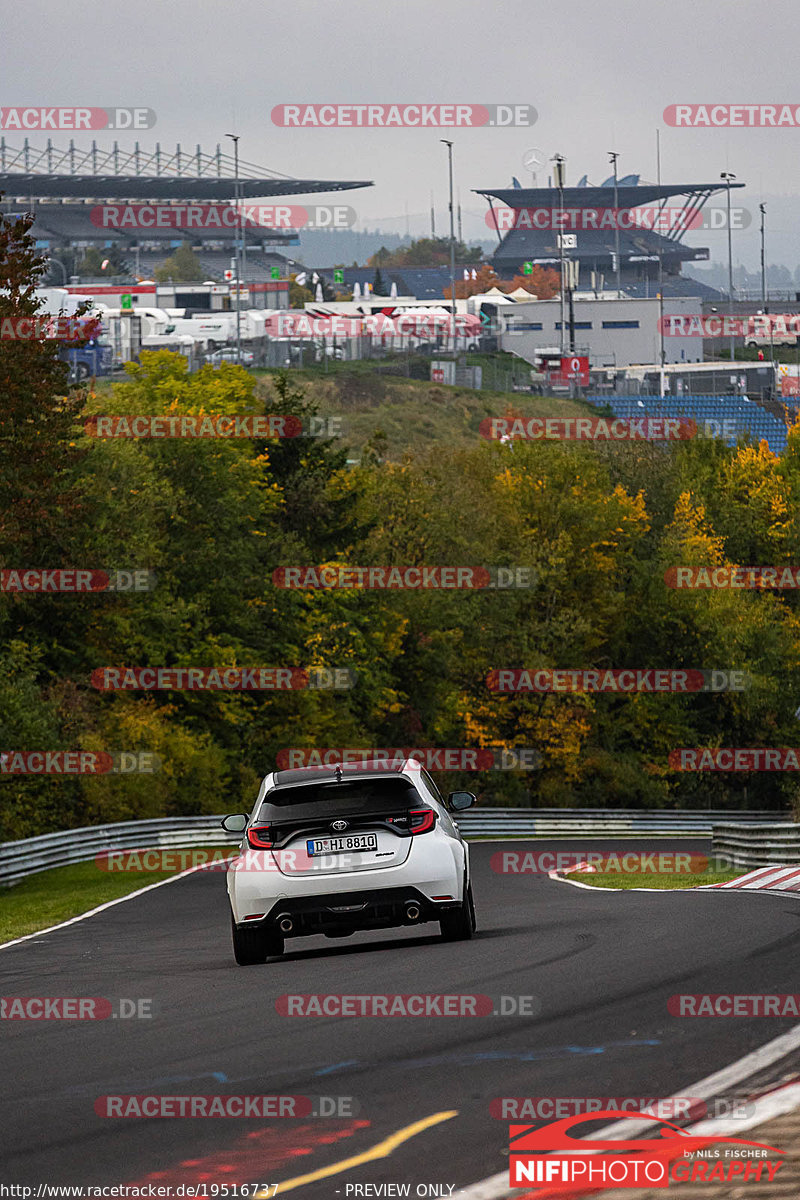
(459, 925)
(81, 372)
(251, 946)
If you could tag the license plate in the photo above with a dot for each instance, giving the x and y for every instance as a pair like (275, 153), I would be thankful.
(339, 845)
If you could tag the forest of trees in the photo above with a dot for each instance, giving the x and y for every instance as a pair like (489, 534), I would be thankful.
(542, 282)
(425, 252)
(599, 525)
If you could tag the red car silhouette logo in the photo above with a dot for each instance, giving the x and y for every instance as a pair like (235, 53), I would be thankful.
(554, 1137)
(555, 1162)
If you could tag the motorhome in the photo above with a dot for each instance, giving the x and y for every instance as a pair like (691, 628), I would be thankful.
(212, 330)
(783, 331)
(154, 321)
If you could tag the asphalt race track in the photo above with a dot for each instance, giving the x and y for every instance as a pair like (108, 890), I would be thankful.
(601, 966)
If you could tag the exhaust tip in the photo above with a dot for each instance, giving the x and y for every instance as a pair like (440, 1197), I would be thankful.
(285, 923)
(412, 912)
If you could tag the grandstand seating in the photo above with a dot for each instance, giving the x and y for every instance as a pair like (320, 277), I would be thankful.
(214, 264)
(673, 285)
(749, 417)
(426, 283)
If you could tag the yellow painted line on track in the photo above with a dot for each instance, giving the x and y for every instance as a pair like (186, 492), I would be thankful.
(381, 1150)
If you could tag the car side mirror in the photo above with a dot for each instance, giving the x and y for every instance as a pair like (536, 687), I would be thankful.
(237, 823)
(458, 801)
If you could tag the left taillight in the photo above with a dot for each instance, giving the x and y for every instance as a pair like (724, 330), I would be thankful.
(259, 837)
(422, 820)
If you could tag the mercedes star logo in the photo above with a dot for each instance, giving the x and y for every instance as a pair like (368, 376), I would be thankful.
(533, 158)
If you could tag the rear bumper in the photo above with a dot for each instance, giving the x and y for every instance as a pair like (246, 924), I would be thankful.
(345, 912)
(434, 867)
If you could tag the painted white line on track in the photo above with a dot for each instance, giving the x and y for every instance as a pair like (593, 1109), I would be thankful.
(100, 908)
(772, 1104)
(784, 1099)
(702, 887)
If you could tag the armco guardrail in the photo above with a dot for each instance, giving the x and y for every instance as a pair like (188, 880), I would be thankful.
(762, 845)
(31, 855)
(599, 822)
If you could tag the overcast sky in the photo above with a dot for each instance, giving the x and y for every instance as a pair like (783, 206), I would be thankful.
(598, 74)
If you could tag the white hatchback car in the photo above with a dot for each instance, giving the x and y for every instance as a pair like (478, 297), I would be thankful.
(335, 849)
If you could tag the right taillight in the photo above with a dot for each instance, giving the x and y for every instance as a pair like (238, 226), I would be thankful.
(260, 837)
(422, 820)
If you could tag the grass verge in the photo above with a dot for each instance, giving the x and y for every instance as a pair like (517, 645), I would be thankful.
(616, 879)
(64, 892)
(395, 414)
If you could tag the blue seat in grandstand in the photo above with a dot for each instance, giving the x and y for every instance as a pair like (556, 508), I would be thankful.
(750, 419)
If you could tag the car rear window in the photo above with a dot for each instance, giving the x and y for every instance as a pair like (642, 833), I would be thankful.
(352, 796)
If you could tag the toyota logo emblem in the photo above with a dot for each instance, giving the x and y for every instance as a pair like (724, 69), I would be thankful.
(338, 825)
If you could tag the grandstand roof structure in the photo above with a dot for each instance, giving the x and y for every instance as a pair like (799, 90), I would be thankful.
(601, 197)
(121, 174)
(643, 251)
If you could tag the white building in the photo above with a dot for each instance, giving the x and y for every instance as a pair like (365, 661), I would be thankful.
(614, 331)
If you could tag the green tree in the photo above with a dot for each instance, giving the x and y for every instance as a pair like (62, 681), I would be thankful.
(425, 252)
(299, 294)
(98, 261)
(317, 493)
(39, 455)
(183, 266)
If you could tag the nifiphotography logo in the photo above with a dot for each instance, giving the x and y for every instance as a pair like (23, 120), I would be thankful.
(550, 1155)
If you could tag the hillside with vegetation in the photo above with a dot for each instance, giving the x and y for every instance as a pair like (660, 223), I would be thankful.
(598, 525)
